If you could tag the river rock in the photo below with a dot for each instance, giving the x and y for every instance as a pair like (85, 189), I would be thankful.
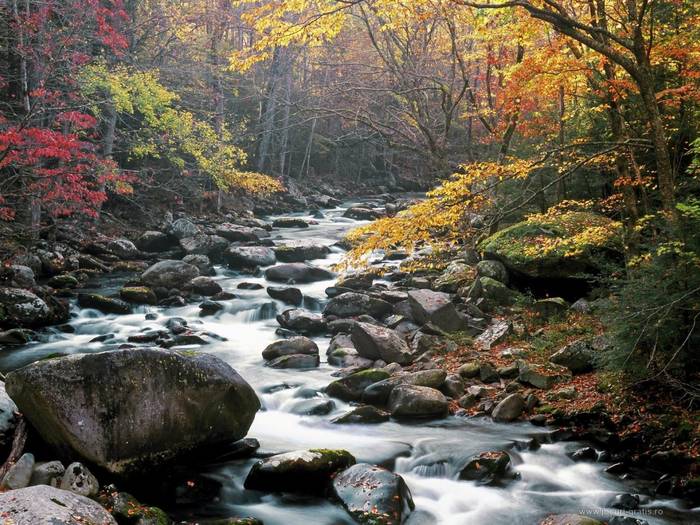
(19, 307)
(578, 356)
(509, 409)
(373, 495)
(63, 281)
(48, 473)
(351, 304)
(299, 361)
(77, 478)
(237, 233)
(19, 474)
(155, 242)
(169, 274)
(377, 342)
(203, 285)
(201, 262)
(249, 257)
(106, 305)
(183, 228)
(138, 295)
(570, 519)
(301, 321)
(379, 393)
(356, 281)
(122, 248)
(17, 336)
(303, 471)
(493, 269)
(300, 251)
(82, 405)
(287, 295)
(350, 388)
(435, 308)
(290, 222)
(212, 246)
(22, 276)
(487, 468)
(7, 418)
(293, 345)
(298, 273)
(410, 401)
(43, 505)
(362, 415)
(361, 213)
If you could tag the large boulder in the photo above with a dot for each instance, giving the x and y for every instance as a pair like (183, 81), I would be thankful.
(302, 471)
(298, 273)
(493, 270)
(378, 342)
(379, 393)
(242, 257)
(571, 245)
(509, 409)
(435, 308)
(373, 495)
(351, 304)
(44, 505)
(19, 307)
(122, 248)
(300, 251)
(128, 410)
(413, 402)
(169, 274)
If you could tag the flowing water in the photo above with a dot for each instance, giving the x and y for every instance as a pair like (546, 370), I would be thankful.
(428, 455)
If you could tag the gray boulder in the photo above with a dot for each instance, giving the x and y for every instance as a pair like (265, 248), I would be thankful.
(126, 411)
(377, 342)
(203, 285)
(351, 304)
(77, 478)
(249, 257)
(298, 273)
(48, 473)
(493, 269)
(212, 246)
(7, 417)
(303, 471)
(183, 228)
(299, 361)
(290, 222)
(350, 388)
(122, 248)
(413, 402)
(360, 213)
(383, 497)
(379, 393)
(19, 307)
(509, 409)
(201, 262)
(578, 356)
(22, 276)
(43, 505)
(301, 321)
(19, 474)
(487, 468)
(236, 233)
(362, 415)
(435, 308)
(169, 274)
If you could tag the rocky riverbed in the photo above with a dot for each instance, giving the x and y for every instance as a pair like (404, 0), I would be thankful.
(225, 373)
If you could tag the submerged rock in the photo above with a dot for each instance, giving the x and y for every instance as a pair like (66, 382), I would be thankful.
(43, 505)
(303, 471)
(373, 495)
(297, 272)
(129, 410)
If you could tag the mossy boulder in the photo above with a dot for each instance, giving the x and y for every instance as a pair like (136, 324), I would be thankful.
(138, 295)
(568, 245)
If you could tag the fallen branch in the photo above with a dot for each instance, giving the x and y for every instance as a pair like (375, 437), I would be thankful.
(18, 442)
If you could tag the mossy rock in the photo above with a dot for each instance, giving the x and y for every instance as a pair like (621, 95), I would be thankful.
(568, 245)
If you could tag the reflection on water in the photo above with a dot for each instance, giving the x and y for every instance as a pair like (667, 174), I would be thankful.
(429, 455)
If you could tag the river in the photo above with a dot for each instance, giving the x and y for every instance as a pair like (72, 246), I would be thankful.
(428, 455)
